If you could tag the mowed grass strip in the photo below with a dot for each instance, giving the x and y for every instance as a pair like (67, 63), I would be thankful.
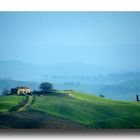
(92, 111)
(9, 102)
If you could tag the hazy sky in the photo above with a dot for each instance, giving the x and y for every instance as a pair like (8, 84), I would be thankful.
(108, 39)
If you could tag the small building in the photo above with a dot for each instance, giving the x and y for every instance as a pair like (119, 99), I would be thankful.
(21, 90)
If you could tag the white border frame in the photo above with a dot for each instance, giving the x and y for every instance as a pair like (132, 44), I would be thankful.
(69, 5)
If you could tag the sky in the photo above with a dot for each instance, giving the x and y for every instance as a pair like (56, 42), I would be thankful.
(110, 39)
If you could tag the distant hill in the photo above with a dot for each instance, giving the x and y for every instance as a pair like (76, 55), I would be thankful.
(76, 76)
(125, 90)
(33, 72)
(122, 91)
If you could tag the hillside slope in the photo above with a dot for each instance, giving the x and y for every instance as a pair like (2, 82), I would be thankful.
(30, 72)
(91, 111)
(71, 109)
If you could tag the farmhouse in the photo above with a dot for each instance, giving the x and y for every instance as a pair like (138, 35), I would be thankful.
(20, 90)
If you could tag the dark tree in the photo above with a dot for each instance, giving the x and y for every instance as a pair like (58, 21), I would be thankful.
(101, 95)
(137, 97)
(46, 86)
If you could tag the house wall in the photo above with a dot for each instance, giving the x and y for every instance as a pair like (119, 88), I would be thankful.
(23, 90)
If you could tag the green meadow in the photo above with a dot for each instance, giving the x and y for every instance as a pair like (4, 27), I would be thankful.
(68, 109)
(9, 102)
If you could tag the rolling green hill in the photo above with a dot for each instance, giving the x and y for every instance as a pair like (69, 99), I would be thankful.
(71, 109)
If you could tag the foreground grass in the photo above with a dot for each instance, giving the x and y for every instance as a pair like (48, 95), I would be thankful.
(25, 117)
(9, 102)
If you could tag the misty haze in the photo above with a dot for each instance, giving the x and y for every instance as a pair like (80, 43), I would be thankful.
(93, 52)
(70, 70)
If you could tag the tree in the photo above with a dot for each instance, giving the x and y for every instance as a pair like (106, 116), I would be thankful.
(46, 86)
(101, 95)
(137, 97)
(5, 92)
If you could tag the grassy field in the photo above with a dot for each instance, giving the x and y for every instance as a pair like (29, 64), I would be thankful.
(91, 111)
(8, 102)
(70, 109)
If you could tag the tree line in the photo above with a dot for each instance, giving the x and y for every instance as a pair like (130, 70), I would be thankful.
(44, 88)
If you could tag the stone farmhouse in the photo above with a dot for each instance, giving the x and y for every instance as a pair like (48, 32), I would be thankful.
(21, 90)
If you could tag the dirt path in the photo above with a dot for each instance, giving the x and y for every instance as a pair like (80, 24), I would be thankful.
(26, 105)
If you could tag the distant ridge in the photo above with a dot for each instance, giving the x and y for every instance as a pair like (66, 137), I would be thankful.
(31, 72)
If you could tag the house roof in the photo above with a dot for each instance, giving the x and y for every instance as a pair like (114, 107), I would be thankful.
(21, 87)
